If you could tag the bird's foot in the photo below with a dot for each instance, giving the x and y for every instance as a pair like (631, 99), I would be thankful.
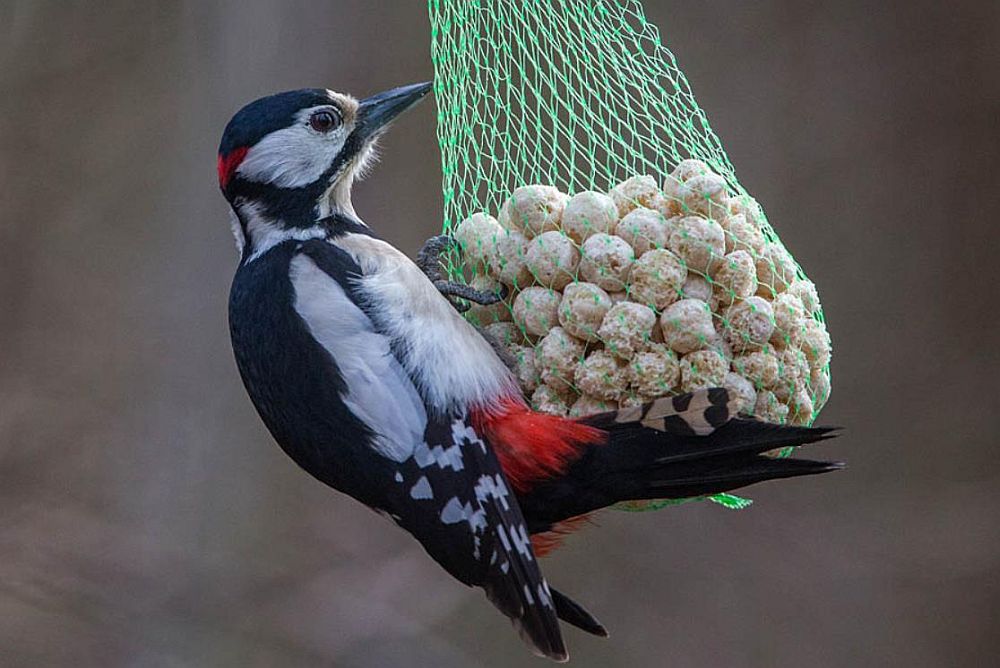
(460, 295)
(429, 261)
(429, 256)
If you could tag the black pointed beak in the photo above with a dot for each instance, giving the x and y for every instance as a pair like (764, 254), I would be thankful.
(377, 111)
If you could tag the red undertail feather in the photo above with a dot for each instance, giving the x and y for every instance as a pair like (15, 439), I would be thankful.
(544, 543)
(532, 446)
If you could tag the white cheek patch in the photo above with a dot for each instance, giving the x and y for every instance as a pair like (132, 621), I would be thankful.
(294, 156)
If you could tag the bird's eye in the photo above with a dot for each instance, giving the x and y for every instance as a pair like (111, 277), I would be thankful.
(324, 121)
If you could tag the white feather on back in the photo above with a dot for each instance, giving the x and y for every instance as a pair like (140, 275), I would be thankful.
(379, 391)
(454, 367)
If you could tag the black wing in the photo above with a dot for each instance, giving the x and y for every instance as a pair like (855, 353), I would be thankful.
(454, 498)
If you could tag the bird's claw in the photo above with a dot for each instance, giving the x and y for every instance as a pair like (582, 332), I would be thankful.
(429, 256)
(460, 296)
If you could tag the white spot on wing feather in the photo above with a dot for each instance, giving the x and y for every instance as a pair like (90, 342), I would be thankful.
(422, 489)
(490, 487)
(503, 538)
(453, 512)
(544, 595)
(520, 537)
(443, 457)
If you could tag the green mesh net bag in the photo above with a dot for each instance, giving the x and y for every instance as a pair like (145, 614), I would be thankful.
(580, 173)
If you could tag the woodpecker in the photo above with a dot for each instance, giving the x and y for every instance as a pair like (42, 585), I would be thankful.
(369, 378)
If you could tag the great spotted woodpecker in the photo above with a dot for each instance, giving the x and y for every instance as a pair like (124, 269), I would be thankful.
(369, 378)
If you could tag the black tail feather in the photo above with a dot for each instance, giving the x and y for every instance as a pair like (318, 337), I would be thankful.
(748, 436)
(738, 435)
(723, 476)
(664, 459)
(573, 613)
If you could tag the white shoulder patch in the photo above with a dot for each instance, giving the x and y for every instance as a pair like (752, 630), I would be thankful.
(379, 391)
(453, 366)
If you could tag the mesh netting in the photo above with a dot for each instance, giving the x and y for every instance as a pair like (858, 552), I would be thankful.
(579, 171)
(578, 94)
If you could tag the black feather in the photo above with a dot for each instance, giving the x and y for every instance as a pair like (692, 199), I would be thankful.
(573, 613)
(665, 459)
(513, 580)
(297, 387)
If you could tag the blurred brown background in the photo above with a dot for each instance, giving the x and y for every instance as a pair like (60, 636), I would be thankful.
(147, 519)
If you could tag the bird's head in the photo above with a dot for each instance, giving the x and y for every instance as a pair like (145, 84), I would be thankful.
(289, 159)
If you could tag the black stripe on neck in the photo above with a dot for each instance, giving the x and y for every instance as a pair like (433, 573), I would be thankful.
(338, 224)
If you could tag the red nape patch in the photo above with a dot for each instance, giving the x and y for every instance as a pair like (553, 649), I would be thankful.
(229, 163)
(532, 446)
(544, 543)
